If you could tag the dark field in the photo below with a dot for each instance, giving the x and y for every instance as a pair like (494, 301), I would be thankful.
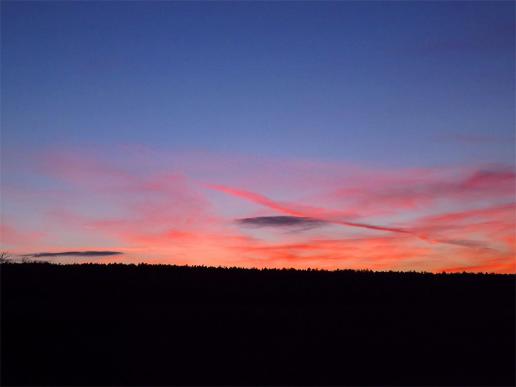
(167, 325)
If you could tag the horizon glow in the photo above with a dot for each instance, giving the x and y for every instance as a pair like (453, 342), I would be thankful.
(307, 135)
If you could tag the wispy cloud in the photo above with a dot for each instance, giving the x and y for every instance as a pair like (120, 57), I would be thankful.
(161, 211)
(402, 194)
(260, 199)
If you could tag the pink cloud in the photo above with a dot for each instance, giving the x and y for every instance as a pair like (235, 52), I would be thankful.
(395, 194)
(11, 237)
(320, 213)
(159, 209)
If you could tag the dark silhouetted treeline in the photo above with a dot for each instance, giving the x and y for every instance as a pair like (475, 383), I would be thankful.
(169, 325)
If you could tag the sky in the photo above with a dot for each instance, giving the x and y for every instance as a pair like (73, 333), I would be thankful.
(351, 135)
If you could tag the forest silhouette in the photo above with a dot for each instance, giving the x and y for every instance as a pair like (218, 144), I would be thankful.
(116, 324)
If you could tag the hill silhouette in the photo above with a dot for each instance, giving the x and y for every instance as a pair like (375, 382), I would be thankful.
(169, 325)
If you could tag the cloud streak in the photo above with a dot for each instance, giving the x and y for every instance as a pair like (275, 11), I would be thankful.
(265, 201)
(72, 254)
(479, 180)
(156, 210)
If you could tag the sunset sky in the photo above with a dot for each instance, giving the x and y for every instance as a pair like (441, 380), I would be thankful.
(361, 135)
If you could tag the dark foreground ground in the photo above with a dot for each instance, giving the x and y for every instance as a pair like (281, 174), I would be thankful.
(165, 325)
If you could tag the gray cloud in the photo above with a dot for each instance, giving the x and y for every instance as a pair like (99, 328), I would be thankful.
(297, 222)
(75, 254)
(465, 243)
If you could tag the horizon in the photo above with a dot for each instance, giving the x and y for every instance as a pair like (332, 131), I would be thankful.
(23, 260)
(323, 135)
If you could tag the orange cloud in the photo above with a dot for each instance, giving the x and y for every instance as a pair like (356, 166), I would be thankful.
(417, 219)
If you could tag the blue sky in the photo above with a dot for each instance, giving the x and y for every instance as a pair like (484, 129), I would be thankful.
(151, 128)
(377, 82)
